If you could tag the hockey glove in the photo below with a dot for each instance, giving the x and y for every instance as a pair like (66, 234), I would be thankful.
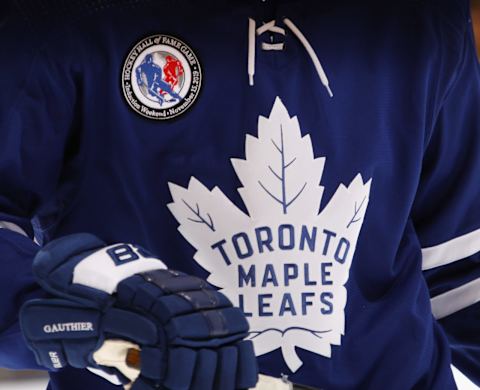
(119, 312)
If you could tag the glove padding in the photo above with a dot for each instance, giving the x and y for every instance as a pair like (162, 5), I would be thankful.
(188, 334)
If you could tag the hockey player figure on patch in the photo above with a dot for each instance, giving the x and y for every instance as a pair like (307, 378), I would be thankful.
(173, 70)
(151, 74)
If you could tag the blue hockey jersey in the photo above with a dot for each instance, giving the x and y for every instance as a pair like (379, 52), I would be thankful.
(316, 161)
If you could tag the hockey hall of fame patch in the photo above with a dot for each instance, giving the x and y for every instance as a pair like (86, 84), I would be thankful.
(161, 77)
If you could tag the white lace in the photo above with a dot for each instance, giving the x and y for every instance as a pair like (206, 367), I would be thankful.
(253, 31)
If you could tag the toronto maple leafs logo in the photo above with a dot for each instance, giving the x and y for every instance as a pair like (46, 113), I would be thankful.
(285, 263)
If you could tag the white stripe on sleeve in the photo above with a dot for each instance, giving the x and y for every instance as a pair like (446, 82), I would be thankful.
(451, 251)
(12, 227)
(455, 300)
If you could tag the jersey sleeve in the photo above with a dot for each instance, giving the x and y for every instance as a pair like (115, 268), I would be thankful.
(446, 213)
(35, 117)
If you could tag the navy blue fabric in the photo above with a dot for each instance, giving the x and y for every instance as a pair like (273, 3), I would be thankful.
(180, 376)
(48, 326)
(192, 324)
(153, 363)
(226, 368)
(451, 163)
(208, 324)
(405, 112)
(146, 296)
(205, 368)
(18, 285)
(76, 350)
(131, 326)
(76, 379)
(44, 355)
(172, 281)
(244, 369)
(448, 277)
(54, 264)
(140, 384)
(38, 313)
(464, 338)
(451, 172)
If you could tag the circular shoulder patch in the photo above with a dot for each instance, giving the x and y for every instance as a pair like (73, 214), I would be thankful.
(161, 77)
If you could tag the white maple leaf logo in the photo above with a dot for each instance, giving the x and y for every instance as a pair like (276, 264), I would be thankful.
(285, 263)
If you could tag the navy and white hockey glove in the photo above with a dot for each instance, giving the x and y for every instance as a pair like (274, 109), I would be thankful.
(119, 312)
